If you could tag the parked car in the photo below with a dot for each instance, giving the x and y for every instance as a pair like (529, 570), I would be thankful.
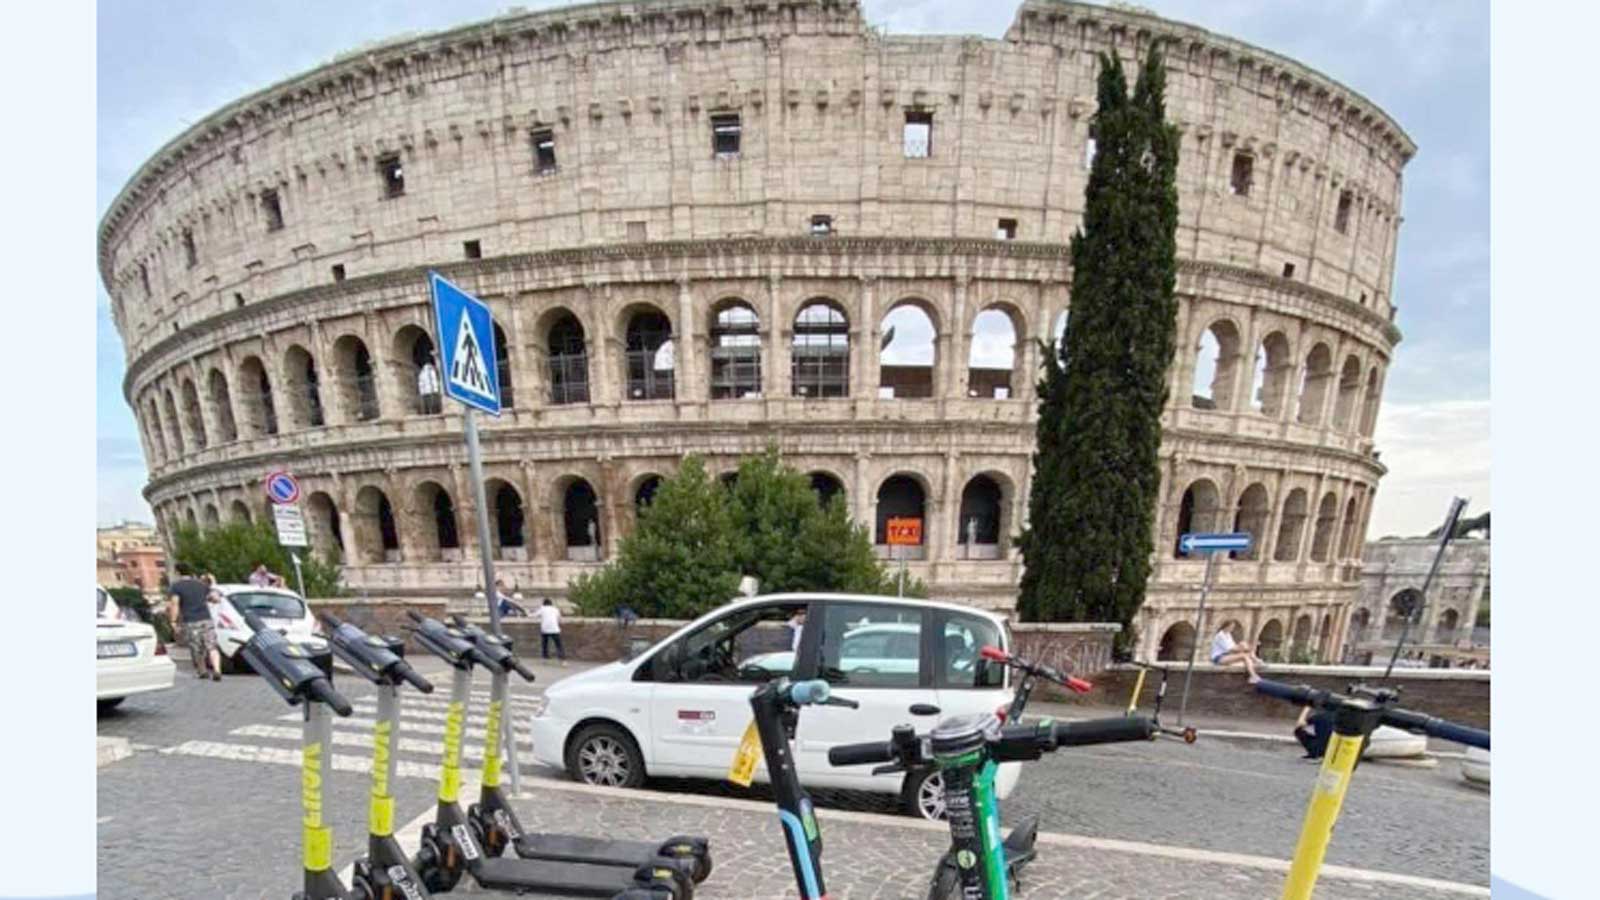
(129, 658)
(278, 608)
(680, 707)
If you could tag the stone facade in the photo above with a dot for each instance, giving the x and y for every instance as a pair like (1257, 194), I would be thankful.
(1447, 625)
(576, 169)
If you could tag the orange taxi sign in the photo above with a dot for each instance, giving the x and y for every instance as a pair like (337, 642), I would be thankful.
(905, 531)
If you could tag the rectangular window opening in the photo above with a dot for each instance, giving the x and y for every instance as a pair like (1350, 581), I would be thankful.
(917, 140)
(144, 278)
(338, 272)
(272, 209)
(725, 133)
(638, 232)
(1363, 299)
(472, 249)
(1005, 230)
(394, 175)
(822, 226)
(544, 151)
(1243, 174)
(238, 299)
(190, 256)
(1341, 216)
(1288, 270)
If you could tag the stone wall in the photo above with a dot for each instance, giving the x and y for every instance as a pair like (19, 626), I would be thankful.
(387, 617)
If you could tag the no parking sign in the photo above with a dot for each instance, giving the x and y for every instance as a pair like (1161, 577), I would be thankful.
(281, 487)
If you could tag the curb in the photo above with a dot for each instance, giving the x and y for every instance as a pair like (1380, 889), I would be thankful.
(110, 749)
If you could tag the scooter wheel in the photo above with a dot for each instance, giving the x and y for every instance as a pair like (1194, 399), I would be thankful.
(431, 858)
(362, 889)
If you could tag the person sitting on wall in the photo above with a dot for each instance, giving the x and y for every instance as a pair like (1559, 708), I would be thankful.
(1225, 651)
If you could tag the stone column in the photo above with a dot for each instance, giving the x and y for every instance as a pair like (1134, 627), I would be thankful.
(535, 516)
(864, 335)
(609, 492)
(942, 541)
(778, 336)
(865, 501)
(951, 355)
(1269, 541)
(605, 352)
(390, 376)
(466, 513)
(689, 384)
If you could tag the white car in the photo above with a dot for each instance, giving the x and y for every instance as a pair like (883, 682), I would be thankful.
(680, 707)
(130, 660)
(278, 608)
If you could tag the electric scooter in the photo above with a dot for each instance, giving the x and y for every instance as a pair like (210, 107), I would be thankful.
(498, 822)
(380, 660)
(304, 677)
(1355, 715)
(452, 844)
(963, 747)
(776, 707)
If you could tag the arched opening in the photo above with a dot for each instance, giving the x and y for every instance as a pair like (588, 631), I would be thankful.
(907, 354)
(322, 524)
(902, 497)
(510, 521)
(993, 356)
(418, 367)
(1360, 621)
(1347, 532)
(1254, 509)
(356, 379)
(502, 367)
(1269, 641)
(580, 516)
(646, 492)
(222, 402)
(192, 415)
(980, 527)
(1322, 537)
(441, 538)
(210, 517)
(1402, 606)
(175, 433)
(735, 352)
(820, 352)
(569, 361)
(239, 512)
(1274, 367)
(1314, 385)
(649, 357)
(190, 519)
(1369, 405)
(1216, 366)
(1325, 638)
(729, 480)
(305, 392)
(256, 388)
(377, 538)
(153, 428)
(1300, 647)
(1349, 388)
(1445, 631)
(1290, 527)
(826, 486)
(1177, 643)
(1198, 513)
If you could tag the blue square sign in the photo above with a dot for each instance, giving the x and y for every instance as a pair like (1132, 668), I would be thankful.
(466, 346)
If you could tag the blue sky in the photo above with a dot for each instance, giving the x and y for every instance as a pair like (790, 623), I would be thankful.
(164, 64)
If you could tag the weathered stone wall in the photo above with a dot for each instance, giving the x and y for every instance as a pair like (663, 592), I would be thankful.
(385, 617)
(221, 311)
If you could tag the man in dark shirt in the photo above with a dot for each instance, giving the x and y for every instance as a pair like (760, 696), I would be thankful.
(190, 601)
(1312, 730)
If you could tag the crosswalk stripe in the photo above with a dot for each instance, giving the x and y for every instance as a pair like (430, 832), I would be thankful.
(410, 711)
(364, 724)
(408, 745)
(417, 718)
(284, 757)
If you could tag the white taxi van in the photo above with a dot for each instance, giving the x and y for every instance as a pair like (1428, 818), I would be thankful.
(680, 707)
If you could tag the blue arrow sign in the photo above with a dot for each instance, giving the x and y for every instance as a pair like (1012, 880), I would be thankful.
(466, 346)
(1213, 543)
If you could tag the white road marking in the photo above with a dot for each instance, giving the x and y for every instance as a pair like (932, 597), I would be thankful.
(434, 749)
(285, 757)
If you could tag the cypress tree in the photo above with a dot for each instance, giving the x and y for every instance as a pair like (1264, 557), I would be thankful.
(1087, 553)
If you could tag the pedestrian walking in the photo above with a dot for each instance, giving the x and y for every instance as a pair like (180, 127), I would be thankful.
(189, 601)
(550, 631)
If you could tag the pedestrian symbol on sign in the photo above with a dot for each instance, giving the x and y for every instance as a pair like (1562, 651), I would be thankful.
(467, 369)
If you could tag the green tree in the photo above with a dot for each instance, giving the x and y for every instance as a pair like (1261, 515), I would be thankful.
(229, 552)
(1092, 506)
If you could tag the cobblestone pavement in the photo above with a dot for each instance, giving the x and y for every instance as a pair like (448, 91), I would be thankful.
(207, 804)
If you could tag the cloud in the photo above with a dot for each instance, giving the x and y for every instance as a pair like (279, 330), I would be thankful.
(1434, 451)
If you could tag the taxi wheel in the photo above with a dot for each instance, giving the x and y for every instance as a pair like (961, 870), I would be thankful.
(606, 755)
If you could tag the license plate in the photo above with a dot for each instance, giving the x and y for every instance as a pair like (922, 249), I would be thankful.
(117, 648)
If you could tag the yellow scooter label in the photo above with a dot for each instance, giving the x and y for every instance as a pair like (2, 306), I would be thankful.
(743, 769)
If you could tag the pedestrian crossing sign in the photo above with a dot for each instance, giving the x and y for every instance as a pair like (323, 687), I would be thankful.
(466, 338)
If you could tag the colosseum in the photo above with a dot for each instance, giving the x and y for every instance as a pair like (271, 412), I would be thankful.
(707, 225)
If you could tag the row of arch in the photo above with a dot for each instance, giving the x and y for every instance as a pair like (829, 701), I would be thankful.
(426, 523)
(1308, 641)
(1201, 510)
(1346, 400)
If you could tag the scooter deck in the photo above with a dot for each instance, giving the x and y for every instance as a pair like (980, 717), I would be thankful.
(549, 876)
(584, 849)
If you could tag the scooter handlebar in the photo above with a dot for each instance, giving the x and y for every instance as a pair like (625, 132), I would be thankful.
(517, 667)
(412, 677)
(861, 754)
(817, 692)
(1300, 694)
(1436, 727)
(323, 690)
(994, 654)
(1110, 730)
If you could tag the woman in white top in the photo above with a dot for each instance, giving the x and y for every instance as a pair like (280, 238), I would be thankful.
(1225, 651)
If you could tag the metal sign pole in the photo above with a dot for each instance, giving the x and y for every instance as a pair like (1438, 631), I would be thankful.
(900, 589)
(1457, 505)
(485, 541)
(1194, 645)
(298, 578)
